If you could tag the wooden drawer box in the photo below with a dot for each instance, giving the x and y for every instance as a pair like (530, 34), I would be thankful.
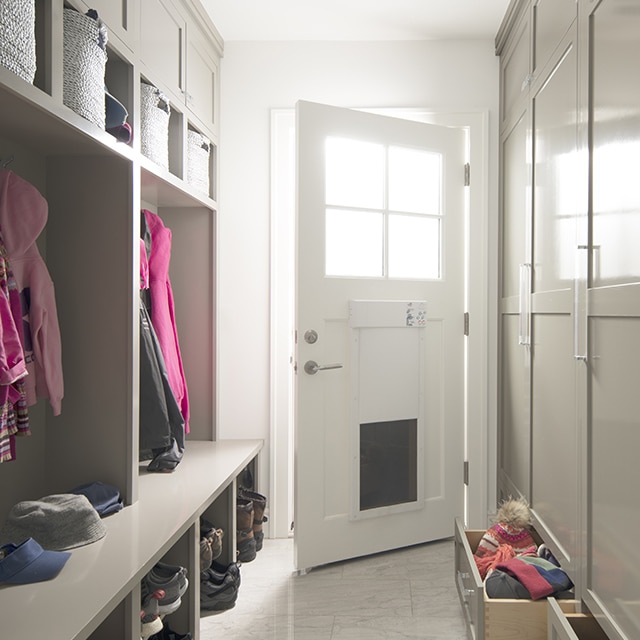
(489, 618)
(565, 625)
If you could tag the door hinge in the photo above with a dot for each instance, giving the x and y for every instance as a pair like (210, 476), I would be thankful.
(467, 174)
(465, 473)
(466, 323)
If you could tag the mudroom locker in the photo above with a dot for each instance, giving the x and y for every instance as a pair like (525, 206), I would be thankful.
(569, 317)
(64, 70)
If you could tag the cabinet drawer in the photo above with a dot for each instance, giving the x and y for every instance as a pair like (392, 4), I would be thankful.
(468, 582)
(489, 618)
(564, 625)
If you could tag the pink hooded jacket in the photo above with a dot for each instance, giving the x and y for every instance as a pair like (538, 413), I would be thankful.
(23, 215)
(163, 310)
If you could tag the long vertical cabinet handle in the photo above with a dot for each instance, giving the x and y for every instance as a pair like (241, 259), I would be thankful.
(524, 307)
(580, 347)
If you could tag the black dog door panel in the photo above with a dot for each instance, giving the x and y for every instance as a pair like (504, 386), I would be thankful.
(388, 467)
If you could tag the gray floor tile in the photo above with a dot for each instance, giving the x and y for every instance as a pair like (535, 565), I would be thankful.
(396, 595)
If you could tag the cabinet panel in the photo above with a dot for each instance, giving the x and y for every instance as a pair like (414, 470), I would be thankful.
(614, 559)
(515, 434)
(98, 416)
(515, 68)
(201, 77)
(615, 50)
(193, 235)
(117, 15)
(162, 32)
(551, 19)
(554, 177)
(554, 490)
(515, 207)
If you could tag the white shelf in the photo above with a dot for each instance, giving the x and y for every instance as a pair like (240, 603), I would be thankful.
(97, 577)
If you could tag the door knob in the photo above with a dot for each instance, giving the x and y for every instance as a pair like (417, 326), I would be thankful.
(312, 367)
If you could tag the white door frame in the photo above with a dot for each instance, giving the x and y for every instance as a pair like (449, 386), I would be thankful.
(480, 374)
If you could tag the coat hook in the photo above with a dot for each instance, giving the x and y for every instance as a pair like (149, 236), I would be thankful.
(7, 162)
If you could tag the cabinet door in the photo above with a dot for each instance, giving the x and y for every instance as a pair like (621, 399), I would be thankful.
(614, 321)
(551, 20)
(118, 16)
(554, 468)
(515, 432)
(201, 77)
(515, 68)
(514, 452)
(162, 31)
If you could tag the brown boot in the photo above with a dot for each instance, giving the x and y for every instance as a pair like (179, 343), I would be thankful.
(245, 542)
(259, 506)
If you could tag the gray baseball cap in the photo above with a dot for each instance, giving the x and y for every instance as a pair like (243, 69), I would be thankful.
(57, 522)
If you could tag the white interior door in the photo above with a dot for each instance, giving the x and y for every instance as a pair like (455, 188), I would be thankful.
(380, 340)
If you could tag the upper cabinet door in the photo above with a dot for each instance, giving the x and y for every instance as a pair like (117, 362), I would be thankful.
(515, 69)
(162, 31)
(202, 71)
(118, 16)
(551, 20)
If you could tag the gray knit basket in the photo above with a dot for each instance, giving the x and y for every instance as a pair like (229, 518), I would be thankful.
(17, 37)
(84, 63)
(155, 112)
(198, 152)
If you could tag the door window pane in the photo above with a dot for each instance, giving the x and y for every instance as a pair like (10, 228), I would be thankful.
(354, 173)
(415, 177)
(354, 243)
(414, 247)
(383, 210)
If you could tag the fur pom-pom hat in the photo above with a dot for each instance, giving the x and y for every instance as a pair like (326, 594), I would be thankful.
(508, 536)
(514, 513)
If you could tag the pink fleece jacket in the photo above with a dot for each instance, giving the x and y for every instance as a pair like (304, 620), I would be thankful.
(23, 215)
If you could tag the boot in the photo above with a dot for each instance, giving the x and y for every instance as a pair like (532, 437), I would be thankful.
(259, 506)
(210, 543)
(245, 542)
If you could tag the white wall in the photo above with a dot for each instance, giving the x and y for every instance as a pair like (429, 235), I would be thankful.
(259, 76)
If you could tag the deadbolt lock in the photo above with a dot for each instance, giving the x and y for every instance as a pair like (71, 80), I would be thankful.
(311, 336)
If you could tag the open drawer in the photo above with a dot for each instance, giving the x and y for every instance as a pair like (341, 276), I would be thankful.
(495, 619)
(563, 625)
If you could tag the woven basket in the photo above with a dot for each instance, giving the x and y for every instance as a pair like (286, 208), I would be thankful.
(154, 124)
(84, 62)
(198, 150)
(18, 38)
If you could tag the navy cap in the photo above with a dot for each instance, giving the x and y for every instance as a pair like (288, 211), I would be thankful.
(104, 497)
(115, 112)
(29, 562)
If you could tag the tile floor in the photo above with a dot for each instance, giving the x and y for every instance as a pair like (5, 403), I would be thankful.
(408, 593)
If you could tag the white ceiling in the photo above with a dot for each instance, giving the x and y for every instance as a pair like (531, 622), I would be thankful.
(356, 19)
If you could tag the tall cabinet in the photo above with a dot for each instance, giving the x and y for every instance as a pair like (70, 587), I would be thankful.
(569, 307)
(96, 187)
